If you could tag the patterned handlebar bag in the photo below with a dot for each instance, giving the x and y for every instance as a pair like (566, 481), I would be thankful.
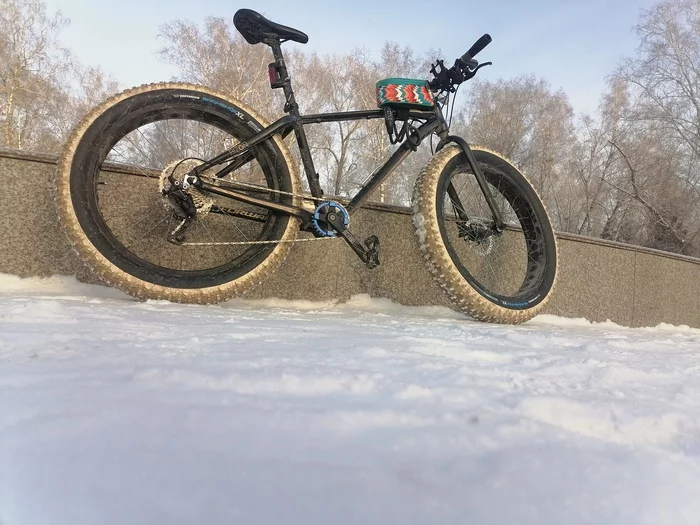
(408, 93)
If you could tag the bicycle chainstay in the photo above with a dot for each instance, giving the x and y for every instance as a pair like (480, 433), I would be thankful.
(303, 196)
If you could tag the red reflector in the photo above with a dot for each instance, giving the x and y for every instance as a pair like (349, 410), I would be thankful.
(273, 75)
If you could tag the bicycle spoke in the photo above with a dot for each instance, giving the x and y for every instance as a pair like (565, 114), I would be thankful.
(133, 166)
(501, 261)
(165, 136)
(149, 230)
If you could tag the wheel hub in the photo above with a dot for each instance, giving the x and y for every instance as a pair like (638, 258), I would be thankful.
(478, 234)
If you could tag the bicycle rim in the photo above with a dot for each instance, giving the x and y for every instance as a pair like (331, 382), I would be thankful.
(127, 214)
(508, 268)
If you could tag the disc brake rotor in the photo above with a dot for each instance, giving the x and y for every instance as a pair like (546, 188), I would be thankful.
(484, 246)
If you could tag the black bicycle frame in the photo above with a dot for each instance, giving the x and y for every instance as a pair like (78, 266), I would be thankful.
(240, 155)
(432, 122)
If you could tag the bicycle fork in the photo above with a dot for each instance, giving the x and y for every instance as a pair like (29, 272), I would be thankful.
(480, 179)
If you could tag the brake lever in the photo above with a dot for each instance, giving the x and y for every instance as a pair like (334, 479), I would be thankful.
(472, 72)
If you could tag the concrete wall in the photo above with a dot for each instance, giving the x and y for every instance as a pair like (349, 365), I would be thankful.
(598, 280)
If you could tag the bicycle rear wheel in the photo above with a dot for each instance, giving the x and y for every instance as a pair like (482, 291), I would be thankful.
(110, 201)
(505, 277)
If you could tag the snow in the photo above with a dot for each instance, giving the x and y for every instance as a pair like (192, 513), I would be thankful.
(114, 411)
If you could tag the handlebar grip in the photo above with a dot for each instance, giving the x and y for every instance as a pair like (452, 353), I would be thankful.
(478, 46)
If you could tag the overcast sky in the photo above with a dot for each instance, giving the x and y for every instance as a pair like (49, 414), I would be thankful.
(574, 45)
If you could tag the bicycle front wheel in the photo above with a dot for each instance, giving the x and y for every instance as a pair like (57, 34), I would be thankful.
(110, 183)
(502, 277)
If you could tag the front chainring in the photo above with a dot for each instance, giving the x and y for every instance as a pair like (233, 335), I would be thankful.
(329, 210)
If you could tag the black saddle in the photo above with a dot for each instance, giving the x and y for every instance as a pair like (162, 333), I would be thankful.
(255, 28)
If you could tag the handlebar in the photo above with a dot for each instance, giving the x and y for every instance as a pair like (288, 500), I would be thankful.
(478, 46)
(471, 63)
(464, 67)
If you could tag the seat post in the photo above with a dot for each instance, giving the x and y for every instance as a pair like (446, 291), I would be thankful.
(291, 107)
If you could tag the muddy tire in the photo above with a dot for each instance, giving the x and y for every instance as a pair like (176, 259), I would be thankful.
(93, 197)
(502, 278)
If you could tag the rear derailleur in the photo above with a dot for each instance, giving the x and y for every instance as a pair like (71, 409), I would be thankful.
(184, 208)
(331, 219)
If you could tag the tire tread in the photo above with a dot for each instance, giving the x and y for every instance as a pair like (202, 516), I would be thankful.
(445, 273)
(110, 274)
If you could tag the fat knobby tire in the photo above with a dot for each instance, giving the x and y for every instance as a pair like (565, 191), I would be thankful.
(464, 297)
(142, 289)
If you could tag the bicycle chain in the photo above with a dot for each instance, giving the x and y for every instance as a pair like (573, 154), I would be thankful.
(256, 242)
(296, 239)
(305, 196)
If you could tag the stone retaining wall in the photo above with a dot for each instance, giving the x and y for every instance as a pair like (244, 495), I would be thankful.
(598, 280)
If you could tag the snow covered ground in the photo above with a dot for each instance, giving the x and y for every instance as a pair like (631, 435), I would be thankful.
(268, 412)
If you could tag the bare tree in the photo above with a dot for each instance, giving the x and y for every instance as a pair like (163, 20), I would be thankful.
(75, 93)
(596, 206)
(664, 79)
(394, 61)
(524, 120)
(43, 89)
(30, 58)
(336, 83)
(629, 173)
(221, 59)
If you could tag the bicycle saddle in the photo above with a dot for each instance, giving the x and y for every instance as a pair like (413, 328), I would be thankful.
(255, 28)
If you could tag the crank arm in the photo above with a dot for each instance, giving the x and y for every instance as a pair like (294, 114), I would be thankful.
(355, 245)
(275, 206)
(369, 255)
